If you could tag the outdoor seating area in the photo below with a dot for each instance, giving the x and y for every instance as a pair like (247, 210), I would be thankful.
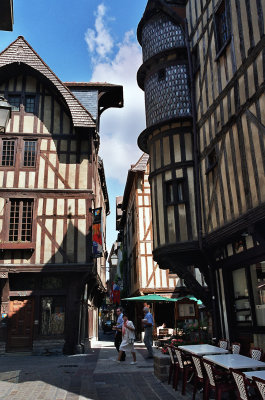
(217, 369)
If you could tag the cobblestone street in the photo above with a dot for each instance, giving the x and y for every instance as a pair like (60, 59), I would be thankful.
(93, 376)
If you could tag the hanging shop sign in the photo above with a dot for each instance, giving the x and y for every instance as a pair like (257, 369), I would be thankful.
(97, 233)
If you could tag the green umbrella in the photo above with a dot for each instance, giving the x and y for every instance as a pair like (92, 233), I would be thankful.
(153, 298)
(199, 302)
(149, 297)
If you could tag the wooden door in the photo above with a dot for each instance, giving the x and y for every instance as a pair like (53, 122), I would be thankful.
(20, 324)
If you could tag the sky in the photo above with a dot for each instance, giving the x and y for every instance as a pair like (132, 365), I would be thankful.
(93, 41)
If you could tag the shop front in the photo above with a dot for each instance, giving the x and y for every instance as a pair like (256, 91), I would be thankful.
(241, 293)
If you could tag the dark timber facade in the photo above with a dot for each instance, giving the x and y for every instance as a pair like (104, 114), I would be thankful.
(203, 75)
(51, 180)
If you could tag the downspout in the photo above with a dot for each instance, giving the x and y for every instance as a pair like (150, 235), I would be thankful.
(197, 177)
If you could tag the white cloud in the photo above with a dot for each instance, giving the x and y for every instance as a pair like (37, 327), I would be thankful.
(120, 127)
(99, 41)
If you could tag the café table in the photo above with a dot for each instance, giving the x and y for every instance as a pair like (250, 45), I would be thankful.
(203, 349)
(235, 361)
(256, 374)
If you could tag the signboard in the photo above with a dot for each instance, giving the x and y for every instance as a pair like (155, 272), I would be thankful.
(97, 233)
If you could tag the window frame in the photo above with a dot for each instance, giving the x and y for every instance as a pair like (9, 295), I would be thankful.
(8, 220)
(220, 47)
(175, 185)
(23, 153)
(27, 96)
(211, 166)
(4, 138)
(10, 95)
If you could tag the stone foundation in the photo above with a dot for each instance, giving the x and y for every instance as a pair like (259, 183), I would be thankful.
(161, 366)
(45, 347)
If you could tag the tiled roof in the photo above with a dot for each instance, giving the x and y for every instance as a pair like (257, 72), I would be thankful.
(141, 163)
(89, 84)
(20, 51)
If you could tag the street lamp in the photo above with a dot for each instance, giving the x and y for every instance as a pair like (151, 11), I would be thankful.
(5, 113)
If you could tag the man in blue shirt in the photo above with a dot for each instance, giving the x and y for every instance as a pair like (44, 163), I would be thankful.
(118, 334)
(148, 331)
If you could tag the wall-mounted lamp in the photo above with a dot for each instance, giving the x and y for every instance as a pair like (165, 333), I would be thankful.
(5, 113)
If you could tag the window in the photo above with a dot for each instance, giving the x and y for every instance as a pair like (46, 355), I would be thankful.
(30, 104)
(14, 100)
(8, 153)
(211, 161)
(52, 315)
(175, 191)
(221, 26)
(30, 147)
(20, 225)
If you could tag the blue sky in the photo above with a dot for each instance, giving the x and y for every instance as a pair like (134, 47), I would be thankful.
(93, 40)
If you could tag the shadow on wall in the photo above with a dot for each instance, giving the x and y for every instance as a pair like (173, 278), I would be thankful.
(51, 311)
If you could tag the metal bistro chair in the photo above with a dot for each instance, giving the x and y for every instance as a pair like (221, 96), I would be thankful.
(185, 367)
(216, 381)
(235, 348)
(223, 343)
(199, 375)
(260, 387)
(243, 385)
(256, 353)
(173, 364)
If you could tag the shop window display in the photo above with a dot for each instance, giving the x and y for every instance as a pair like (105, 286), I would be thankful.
(52, 315)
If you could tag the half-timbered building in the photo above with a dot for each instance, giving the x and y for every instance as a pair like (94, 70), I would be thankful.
(203, 77)
(141, 274)
(52, 184)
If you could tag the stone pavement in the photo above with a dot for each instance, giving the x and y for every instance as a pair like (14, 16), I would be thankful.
(93, 376)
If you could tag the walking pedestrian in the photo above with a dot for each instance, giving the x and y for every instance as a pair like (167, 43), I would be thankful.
(128, 337)
(148, 331)
(118, 334)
